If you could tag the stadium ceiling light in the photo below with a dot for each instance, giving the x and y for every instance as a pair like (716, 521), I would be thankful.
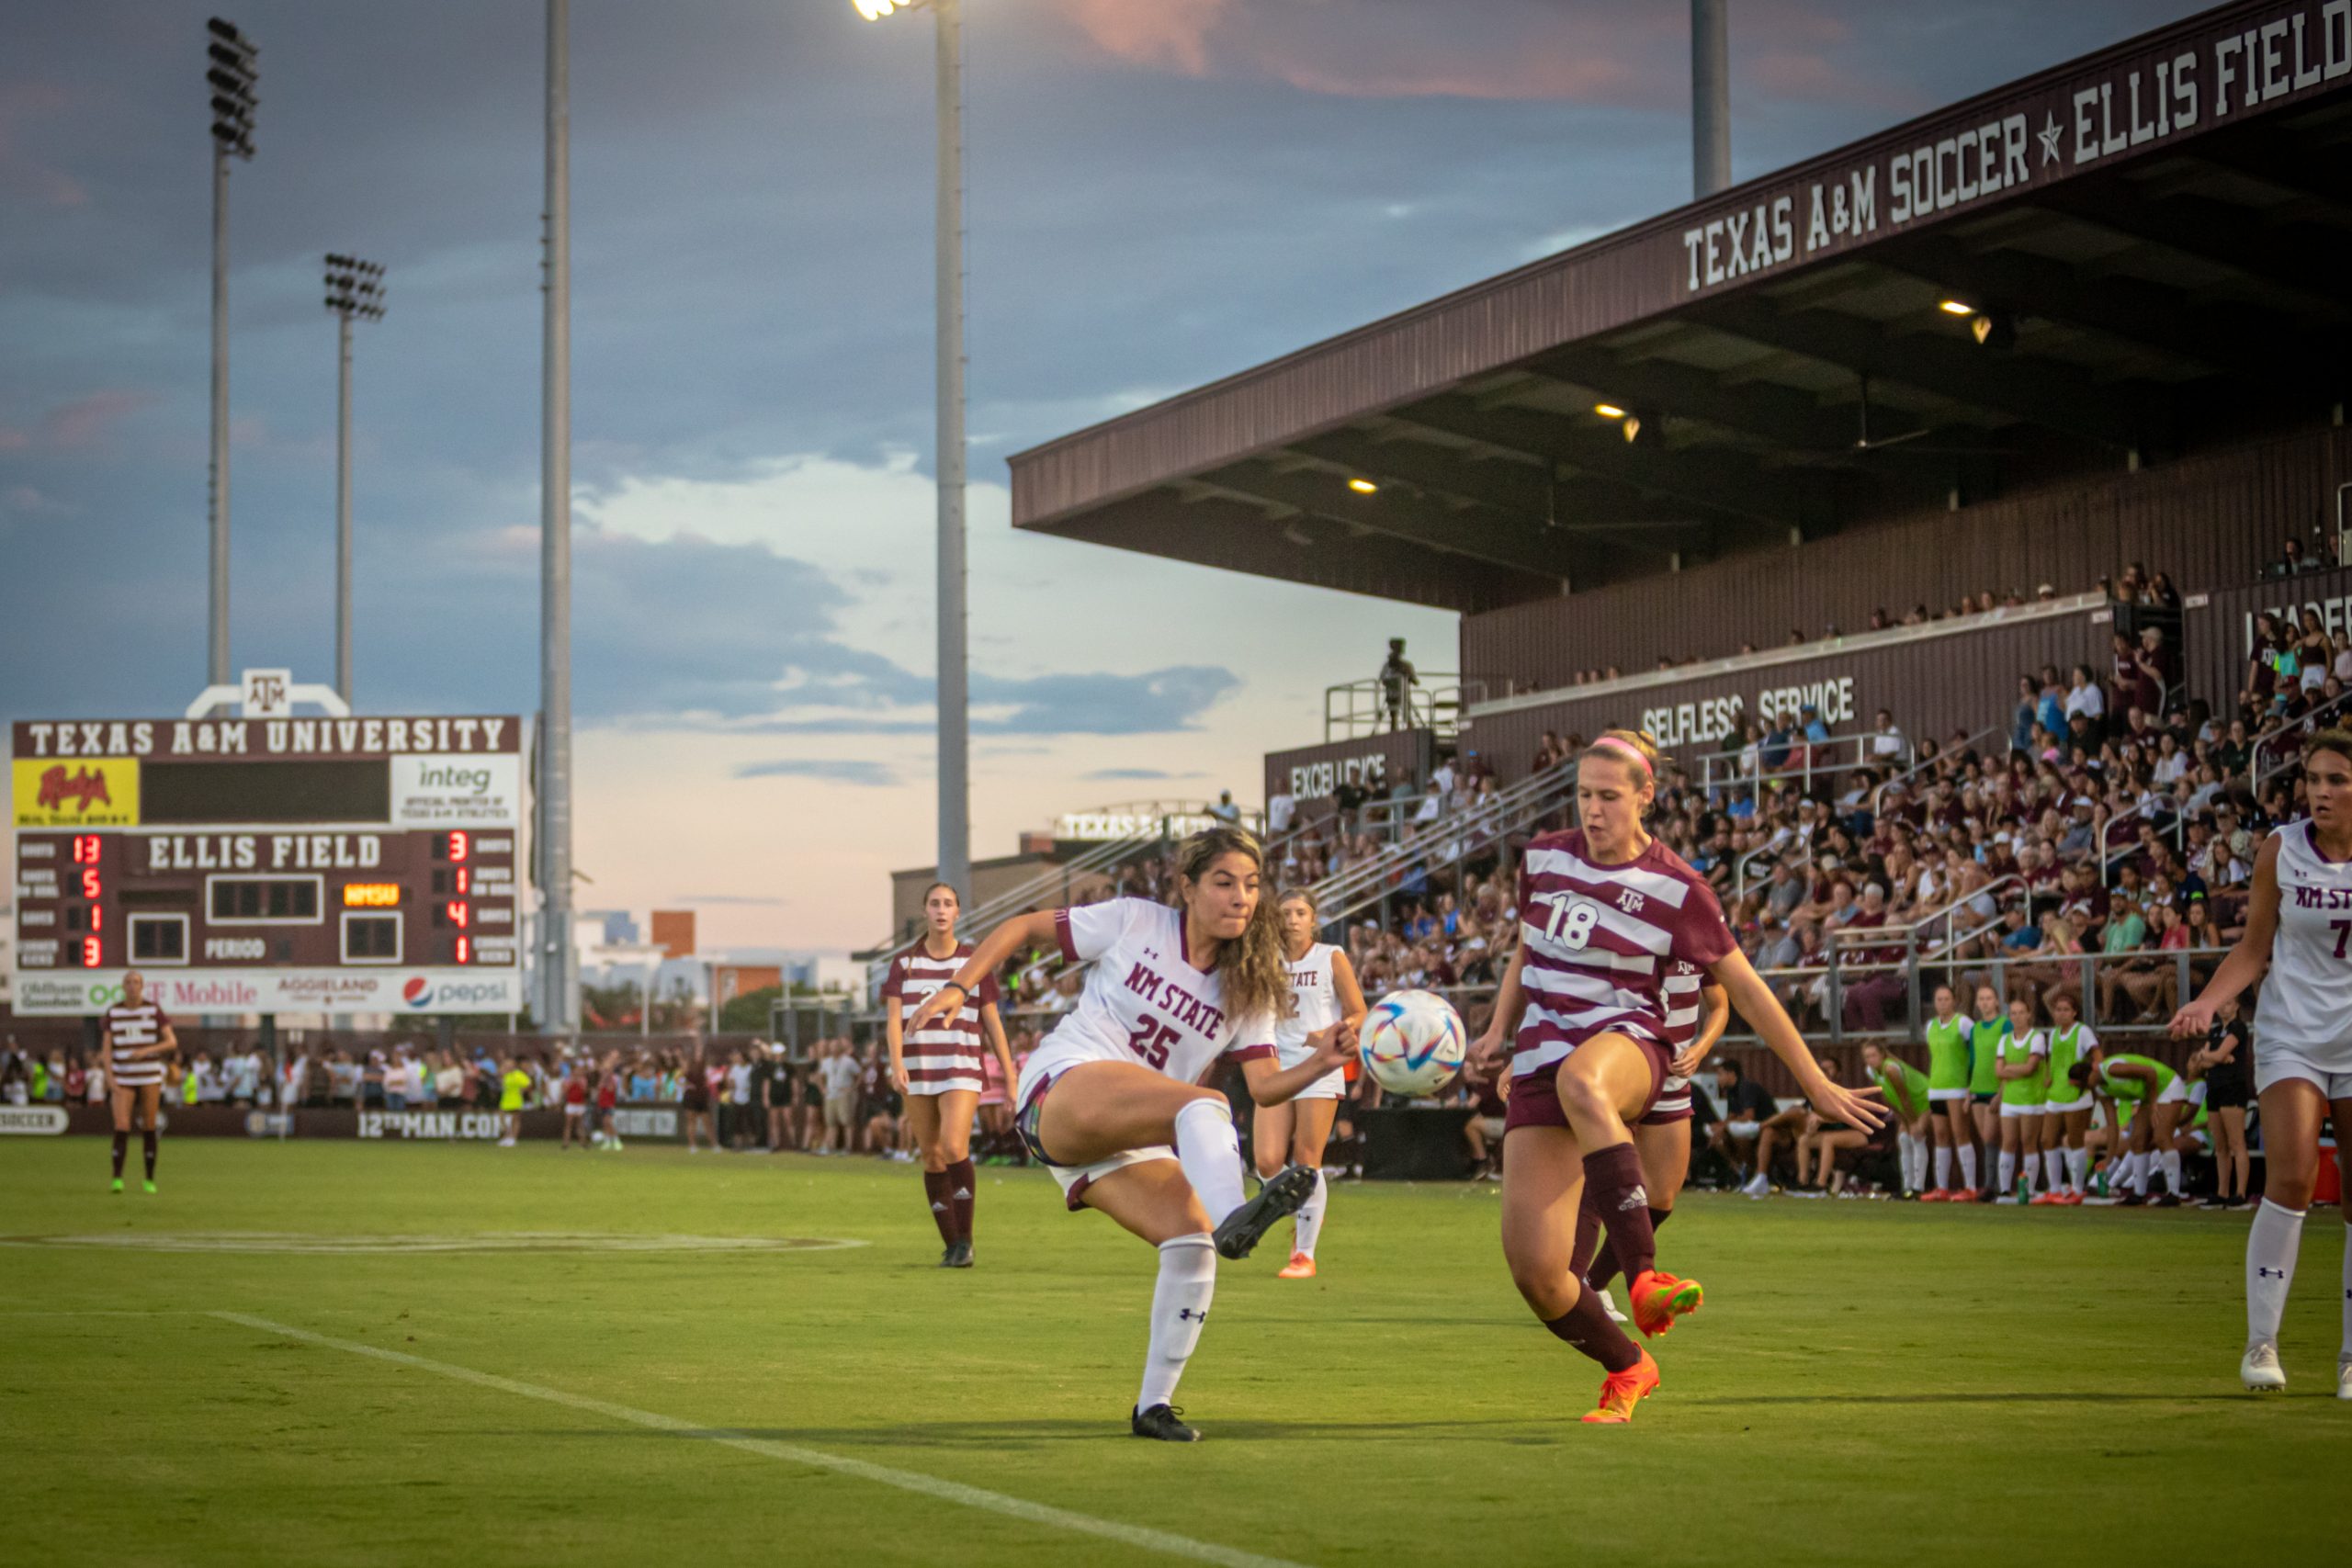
(1609, 410)
(875, 10)
(1994, 331)
(1363, 486)
(1633, 428)
(1955, 308)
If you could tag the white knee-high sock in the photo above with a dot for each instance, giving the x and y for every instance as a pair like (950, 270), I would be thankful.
(1180, 1305)
(2078, 1169)
(1968, 1166)
(1907, 1147)
(1310, 1215)
(2172, 1171)
(2345, 1353)
(1210, 1152)
(2053, 1169)
(2135, 1172)
(2270, 1246)
(2008, 1173)
(1944, 1168)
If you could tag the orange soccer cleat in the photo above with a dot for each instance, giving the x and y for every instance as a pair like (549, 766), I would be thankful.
(1300, 1267)
(1620, 1392)
(1656, 1300)
(1937, 1195)
(2043, 1199)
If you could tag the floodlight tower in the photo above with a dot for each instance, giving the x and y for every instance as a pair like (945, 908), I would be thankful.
(354, 289)
(230, 74)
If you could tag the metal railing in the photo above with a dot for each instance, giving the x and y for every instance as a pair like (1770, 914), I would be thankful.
(1878, 796)
(1726, 770)
(1452, 838)
(2144, 811)
(1438, 702)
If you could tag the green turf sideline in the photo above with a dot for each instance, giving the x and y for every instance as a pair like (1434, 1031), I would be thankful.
(792, 1453)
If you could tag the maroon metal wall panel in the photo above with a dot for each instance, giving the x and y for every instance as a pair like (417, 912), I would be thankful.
(1963, 680)
(2208, 520)
(2219, 633)
(1376, 761)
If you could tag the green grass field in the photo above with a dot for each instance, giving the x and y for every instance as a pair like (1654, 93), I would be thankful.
(1870, 1382)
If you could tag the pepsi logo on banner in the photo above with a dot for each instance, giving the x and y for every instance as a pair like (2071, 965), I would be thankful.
(418, 992)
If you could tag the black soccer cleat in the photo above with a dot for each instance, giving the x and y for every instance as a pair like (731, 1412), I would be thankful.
(1163, 1422)
(1280, 1196)
(957, 1256)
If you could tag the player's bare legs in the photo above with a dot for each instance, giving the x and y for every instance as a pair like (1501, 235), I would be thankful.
(941, 1125)
(1600, 1083)
(1097, 1110)
(1543, 1178)
(1956, 1128)
(2292, 1110)
(1303, 1141)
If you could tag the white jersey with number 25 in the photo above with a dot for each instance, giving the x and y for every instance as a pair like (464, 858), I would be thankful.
(1143, 1002)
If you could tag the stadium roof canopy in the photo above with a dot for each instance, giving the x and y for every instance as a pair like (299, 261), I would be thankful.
(2153, 241)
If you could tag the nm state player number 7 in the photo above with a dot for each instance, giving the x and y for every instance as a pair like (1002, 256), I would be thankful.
(1151, 1040)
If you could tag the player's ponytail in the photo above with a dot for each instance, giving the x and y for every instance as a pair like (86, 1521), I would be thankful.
(1251, 968)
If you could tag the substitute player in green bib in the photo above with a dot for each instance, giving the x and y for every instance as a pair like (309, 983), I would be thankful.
(2066, 1116)
(1906, 1090)
(1949, 1120)
(2155, 1095)
(2023, 1073)
(1985, 1039)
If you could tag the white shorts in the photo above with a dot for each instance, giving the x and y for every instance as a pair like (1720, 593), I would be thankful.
(2069, 1108)
(1744, 1129)
(1076, 1180)
(2176, 1092)
(1942, 1095)
(2278, 1063)
(2013, 1112)
(1332, 1085)
(572, 1110)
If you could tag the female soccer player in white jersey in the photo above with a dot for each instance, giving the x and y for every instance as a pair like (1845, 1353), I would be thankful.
(2298, 924)
(1605, 911)
(1112, 1100)
(137, 1038)
(1323, 984)
(941, 1076)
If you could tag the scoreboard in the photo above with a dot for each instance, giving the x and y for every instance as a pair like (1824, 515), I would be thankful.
(270, 865)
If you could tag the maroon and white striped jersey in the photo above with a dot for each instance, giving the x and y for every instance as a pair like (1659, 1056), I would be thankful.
(1680, 991)
(945, 1053)
(1600, 941)
(132, 1029)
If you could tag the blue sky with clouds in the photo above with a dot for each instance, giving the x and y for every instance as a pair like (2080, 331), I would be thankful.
(1161, 192)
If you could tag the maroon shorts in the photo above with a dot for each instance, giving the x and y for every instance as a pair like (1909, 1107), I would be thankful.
(1672, 1104)
(1535, 1098)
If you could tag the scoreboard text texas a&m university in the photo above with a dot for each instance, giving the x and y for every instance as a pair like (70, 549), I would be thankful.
(269, 864)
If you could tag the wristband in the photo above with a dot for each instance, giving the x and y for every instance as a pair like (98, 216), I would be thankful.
(959, 986)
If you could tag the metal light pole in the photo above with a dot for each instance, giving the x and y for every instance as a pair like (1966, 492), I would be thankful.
(231, 76)
(559, 963)
(353, 290)
(954, 683)
(1709, 97)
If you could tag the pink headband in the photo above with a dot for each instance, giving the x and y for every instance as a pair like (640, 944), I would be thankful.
(1625, 747)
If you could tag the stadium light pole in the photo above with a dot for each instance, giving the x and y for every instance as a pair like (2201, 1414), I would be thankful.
(1709, 97)
(230, 74)
(954, 680)
(559, 961)
(355, 287)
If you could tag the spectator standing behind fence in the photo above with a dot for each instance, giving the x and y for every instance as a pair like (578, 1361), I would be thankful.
(1396, 683)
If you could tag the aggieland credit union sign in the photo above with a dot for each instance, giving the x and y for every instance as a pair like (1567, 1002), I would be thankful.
(2178, 83)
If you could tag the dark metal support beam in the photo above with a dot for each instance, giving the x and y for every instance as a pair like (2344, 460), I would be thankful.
(1479, 533)
(2216, 231)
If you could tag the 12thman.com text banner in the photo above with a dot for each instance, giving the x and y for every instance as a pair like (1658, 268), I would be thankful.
(392, 989)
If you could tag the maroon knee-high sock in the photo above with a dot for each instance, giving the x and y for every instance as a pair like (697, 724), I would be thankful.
(1605, 1265)
(963, 1192)
(942, 1213)
(1613, 1184)
(1580, 1258)
(121, 1147)
(1587, 1327)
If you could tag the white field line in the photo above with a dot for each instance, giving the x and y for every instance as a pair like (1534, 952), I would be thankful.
(1136, 1536)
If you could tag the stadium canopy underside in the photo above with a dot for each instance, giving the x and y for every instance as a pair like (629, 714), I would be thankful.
(2153, 242)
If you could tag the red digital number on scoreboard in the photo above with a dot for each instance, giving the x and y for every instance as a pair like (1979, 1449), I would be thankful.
(85, 848)
(460, 844)
(90, 882)
(90, 952)
(465, 950)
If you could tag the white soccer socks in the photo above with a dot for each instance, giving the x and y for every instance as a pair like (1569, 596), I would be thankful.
(2271, 1242)
(2008, 1173)
(1310, 1215)
(1180, 1305)
(1914, 1161)
(2053, 1170)
(2170, 1159)
(1210, 1152)
(2078, 1170)
(1944, 1168)
(2344, 1356)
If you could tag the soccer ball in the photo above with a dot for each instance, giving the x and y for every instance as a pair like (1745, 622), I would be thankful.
(1412, 1043)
